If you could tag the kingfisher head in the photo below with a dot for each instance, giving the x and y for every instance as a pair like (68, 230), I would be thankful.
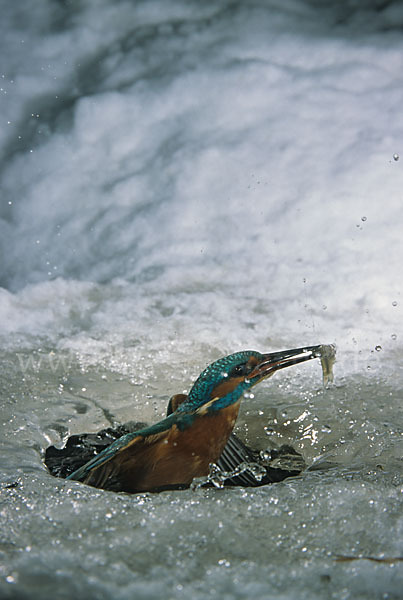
(224, 381)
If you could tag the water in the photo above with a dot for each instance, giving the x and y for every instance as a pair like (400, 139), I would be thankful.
(180, 181)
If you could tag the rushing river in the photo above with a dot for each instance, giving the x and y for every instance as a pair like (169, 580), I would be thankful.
(180, 181)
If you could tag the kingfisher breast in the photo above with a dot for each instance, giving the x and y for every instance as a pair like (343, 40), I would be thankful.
(179, 456)
(208, 434)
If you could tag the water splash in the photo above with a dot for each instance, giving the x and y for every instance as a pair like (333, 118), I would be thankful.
(217, 477)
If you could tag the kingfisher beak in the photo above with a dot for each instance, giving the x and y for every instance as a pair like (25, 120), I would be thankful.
(275, 361)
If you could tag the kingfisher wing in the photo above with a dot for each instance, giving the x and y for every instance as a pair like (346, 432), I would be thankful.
(112, 467)
(121, 444)
(235, 453)
(284, 462)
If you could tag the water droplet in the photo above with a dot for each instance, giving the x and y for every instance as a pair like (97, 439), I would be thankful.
(378, 348)
(394, 303)
(363, 218)
(224, 562)
(396, 157)
(393, 336)
(324, 307)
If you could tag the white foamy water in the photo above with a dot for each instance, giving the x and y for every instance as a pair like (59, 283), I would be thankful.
(180, 181)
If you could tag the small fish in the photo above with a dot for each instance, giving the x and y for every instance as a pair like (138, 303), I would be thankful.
(327, 355)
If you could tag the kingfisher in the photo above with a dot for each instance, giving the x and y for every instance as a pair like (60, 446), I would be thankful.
(197, 431)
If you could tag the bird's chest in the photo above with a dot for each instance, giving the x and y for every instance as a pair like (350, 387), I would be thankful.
(182, 454)
(205, 440)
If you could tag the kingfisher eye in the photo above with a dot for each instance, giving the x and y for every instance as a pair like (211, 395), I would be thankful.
(240, 370)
